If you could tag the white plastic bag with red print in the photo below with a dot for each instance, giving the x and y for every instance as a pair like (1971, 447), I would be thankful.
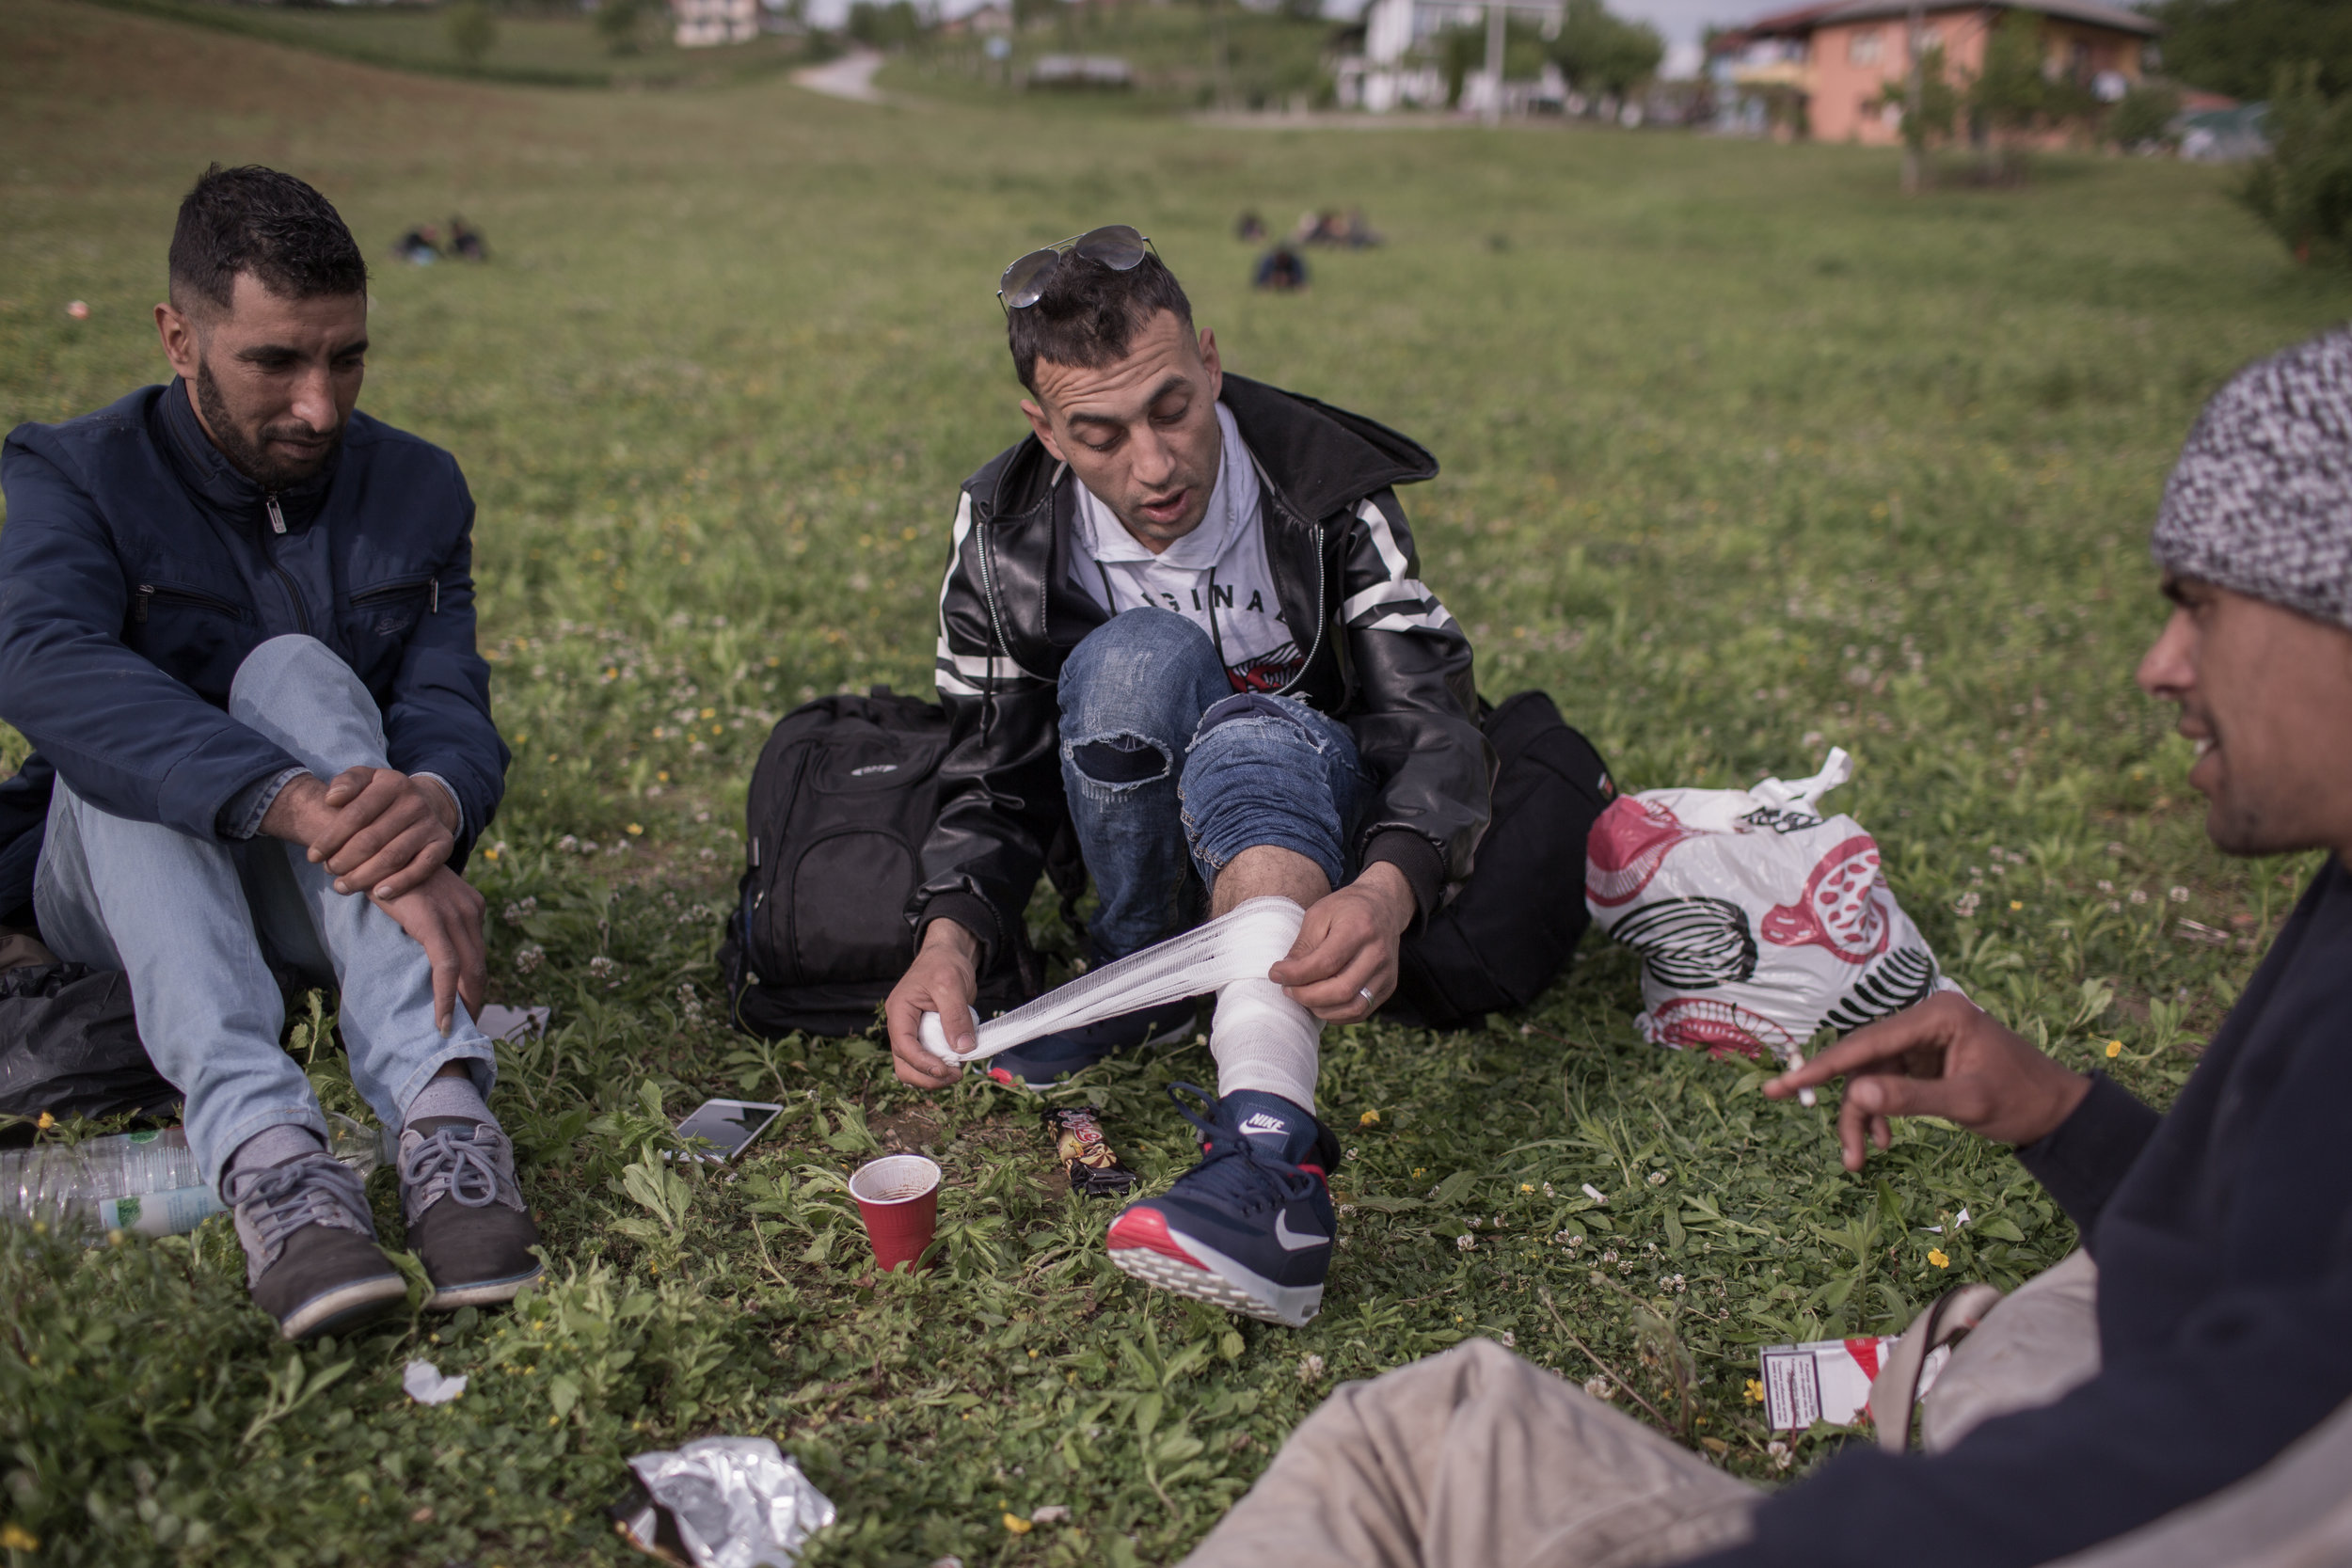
(1759, 921)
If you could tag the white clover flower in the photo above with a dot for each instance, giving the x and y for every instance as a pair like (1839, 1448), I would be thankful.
(602, 966)
(2178, 896)
(528, 958)
(2139, 895)
(1599, 1388)
(1310, 1367)
(1465, 1242)
(1658, 1179)
(1510, 1341)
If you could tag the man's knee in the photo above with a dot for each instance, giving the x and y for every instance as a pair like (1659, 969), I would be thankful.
(295, 668)
(1139, 651)
(1120, 760)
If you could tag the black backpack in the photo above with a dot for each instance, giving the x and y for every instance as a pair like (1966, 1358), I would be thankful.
(841, 799)
(1516, 922)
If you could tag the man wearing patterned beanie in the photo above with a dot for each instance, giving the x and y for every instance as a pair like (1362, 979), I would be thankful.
(2179, 1391)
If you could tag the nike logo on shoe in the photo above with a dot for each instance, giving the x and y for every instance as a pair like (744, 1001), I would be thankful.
(1257, 1121)
(1292, 1241)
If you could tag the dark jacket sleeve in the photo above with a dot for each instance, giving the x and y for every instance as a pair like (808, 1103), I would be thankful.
(1000, 795)
(437, 719)
(2083, 1160)
(1414, 709)
(127, 737)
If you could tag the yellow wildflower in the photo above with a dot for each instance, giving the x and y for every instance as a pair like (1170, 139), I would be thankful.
(1017, 1525)
(1935, 1256)
(1755, 1390)
(1527, 1186)
(1370, 1118)
(46, 1121)
(2115, 1049)
(634, 830)
(2016, 904)
(16, 1538)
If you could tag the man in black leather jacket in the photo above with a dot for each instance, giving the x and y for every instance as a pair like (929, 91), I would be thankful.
(1185, 617)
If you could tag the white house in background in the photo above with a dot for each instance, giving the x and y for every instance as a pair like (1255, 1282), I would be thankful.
(700, 23)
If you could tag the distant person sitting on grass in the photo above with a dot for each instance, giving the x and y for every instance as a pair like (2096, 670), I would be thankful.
(466, 242)
(1281, 270)
(419, 246)
(2210, 1332)
(236, 622)
(1184, 616)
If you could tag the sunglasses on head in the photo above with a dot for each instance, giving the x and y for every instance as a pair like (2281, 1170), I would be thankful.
(1116, 245)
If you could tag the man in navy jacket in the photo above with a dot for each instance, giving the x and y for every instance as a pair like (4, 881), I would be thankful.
(2200, 1333)
(236, 622)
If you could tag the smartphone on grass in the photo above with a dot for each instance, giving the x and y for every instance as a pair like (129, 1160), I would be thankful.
(727, 1125)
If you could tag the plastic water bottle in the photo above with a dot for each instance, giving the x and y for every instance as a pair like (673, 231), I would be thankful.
(147, 1182)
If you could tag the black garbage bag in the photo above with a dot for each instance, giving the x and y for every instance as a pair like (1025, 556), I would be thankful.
(69, 1046)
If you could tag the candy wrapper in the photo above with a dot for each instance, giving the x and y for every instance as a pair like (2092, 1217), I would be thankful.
(721, 1502)
(1759, 920)
(1094, 1170)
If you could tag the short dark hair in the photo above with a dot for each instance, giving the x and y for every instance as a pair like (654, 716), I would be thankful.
(1089, 314)
(272, 225)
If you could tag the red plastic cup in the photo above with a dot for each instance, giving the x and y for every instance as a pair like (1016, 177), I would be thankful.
(899, 1196)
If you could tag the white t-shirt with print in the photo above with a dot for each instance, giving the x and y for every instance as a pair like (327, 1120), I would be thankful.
(1216, 577)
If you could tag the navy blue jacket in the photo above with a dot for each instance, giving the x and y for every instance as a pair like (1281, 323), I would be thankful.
(2223, 1235)
(137, 570)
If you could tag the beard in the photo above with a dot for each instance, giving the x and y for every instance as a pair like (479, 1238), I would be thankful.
(249, 454)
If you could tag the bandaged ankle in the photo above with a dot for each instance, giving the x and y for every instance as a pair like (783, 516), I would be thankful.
(1264, 1041)
(1241, 945)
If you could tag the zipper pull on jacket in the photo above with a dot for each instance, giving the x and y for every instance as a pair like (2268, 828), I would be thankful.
(277, 518)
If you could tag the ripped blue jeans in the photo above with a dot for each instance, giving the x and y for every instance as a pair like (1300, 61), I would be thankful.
(1169, 774)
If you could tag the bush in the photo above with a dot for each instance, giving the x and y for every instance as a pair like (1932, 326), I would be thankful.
(472, 30)
(618, 22)
(1601, 54)
(2144, 117)
(2303, 191)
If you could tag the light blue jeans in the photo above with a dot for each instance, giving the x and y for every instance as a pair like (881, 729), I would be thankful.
(197, 926)
(1169, 774)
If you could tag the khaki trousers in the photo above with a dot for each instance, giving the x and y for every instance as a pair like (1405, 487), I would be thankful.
(1476, 1459)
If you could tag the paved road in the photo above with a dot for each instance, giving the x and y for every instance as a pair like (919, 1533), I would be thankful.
(851, 77)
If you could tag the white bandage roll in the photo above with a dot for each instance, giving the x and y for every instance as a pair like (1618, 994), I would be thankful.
(1235, 946)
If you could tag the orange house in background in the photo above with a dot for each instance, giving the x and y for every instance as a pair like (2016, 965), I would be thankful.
(1842, 59)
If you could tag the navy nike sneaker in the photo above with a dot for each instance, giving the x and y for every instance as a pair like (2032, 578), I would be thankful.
(1037, 1064)
(1249, 1228)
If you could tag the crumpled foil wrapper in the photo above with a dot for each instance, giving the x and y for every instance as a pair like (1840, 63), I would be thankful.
(730, 1502)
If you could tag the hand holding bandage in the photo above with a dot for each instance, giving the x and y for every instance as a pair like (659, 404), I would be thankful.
(1241, 945)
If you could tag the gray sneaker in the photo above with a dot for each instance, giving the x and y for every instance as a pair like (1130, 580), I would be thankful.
(466, 1222)
(311, 1261)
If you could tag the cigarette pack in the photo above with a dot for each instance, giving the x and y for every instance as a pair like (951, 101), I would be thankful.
(1828, 1379)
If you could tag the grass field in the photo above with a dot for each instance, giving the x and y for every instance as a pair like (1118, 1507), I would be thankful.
(1743, 456)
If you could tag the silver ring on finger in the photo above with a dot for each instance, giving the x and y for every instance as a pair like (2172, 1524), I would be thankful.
(1365, 991)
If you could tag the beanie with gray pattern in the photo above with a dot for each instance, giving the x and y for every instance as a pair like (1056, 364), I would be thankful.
(2260, 501)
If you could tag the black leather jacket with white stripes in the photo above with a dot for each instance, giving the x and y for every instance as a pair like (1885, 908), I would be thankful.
(1385, 657)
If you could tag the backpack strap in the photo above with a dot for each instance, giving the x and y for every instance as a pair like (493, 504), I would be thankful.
(1895, 1392)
